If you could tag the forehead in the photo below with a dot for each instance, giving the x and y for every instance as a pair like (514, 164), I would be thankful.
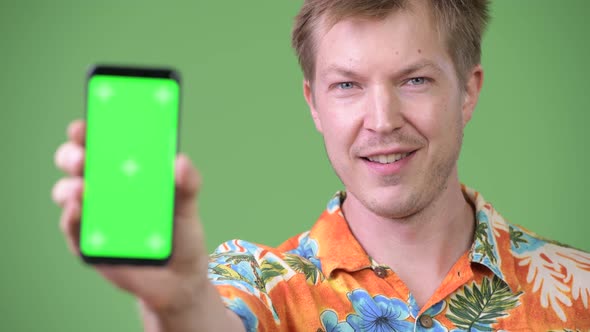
(402, 36)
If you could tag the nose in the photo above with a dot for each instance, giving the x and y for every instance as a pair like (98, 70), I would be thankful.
(383, 113)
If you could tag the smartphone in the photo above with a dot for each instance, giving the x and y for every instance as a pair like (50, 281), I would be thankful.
(132, 125)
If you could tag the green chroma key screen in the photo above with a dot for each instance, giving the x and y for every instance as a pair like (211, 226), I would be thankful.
(131, 144)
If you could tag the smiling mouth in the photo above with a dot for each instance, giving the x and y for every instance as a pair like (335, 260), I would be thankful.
(388, 158)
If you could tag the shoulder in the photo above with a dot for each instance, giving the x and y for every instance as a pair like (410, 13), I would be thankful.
(260, 264)
(551, 277)
(524, 241)
(237, 253)
(242, 247)
(556, 275)
(512, 240)
(529, 248)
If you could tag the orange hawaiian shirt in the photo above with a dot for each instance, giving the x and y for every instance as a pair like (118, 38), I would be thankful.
(323, 280)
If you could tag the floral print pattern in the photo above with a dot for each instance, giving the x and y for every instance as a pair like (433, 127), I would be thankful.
(322, 280)
(378, 313)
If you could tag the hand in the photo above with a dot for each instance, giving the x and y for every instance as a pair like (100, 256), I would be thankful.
(169, 288)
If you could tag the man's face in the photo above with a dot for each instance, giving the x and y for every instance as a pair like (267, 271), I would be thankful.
(388, 102)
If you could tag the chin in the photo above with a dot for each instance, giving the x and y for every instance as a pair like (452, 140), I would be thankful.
(392, 204)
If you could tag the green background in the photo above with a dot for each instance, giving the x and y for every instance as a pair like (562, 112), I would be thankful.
(246, 126)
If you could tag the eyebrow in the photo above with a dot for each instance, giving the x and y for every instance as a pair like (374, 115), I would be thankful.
(414, 67)
(340, 70)
(418, 66)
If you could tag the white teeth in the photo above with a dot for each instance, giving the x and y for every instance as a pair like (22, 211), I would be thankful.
(388, 158)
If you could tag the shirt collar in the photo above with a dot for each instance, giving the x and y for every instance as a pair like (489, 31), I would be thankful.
(339, 249)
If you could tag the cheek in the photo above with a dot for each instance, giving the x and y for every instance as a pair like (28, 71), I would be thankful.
(341, 123)
(423, 116)
(433, 118)
(337, 131)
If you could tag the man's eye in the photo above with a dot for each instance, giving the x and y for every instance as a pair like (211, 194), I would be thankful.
(417, 80)
(346, 85)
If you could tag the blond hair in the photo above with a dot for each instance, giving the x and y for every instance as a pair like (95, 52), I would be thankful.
(462, 23)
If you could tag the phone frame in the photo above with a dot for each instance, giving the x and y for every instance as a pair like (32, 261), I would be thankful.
(132, 71)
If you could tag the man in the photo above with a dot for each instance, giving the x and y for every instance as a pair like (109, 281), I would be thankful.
(390, 85)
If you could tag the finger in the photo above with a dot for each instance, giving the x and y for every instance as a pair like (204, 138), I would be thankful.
(70, 225)
(67, 189)
(188, 184)
(69, 157)
(77, 132)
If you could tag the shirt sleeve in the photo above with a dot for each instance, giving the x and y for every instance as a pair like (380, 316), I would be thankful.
(235, 271)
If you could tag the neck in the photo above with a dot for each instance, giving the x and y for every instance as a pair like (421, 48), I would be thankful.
(426, 243)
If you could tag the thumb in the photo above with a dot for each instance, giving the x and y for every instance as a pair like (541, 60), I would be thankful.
(188, 184)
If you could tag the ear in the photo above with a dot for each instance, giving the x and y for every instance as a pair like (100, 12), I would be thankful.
(472, 88)
(308, 94)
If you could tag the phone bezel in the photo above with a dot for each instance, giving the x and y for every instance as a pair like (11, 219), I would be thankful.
(155, 72)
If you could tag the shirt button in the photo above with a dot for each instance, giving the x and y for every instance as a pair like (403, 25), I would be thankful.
(426, 321)
(380, 271)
